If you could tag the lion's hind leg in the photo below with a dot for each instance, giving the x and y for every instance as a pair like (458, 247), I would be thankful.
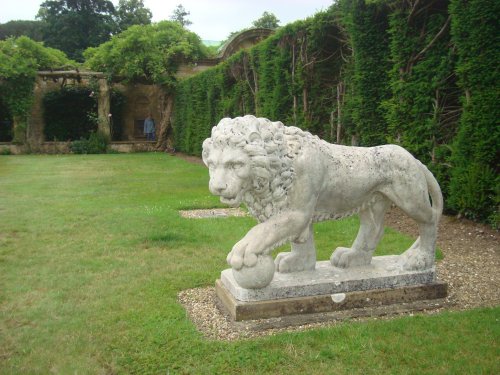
(420, 255)
(369, 235)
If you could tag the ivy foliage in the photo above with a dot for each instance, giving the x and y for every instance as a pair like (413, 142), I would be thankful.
(20, 59)
(146, 53)
(71, 113)
(5, 122)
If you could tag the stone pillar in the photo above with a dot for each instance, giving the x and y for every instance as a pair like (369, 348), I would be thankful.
(164, 126)
(103, 106)
(36, 123)
(19, 129)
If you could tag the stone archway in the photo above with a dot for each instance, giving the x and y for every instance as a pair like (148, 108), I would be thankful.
(47, 81)
(142, 105)
(244, 39)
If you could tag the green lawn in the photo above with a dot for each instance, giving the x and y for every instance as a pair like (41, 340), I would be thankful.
(93, 254)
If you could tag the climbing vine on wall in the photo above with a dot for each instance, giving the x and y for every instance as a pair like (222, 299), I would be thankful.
(71, 113)
(20, 58)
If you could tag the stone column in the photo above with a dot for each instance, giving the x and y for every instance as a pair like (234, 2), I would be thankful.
(36, 122)
(103, 106)
(165, 104)
(19, 129)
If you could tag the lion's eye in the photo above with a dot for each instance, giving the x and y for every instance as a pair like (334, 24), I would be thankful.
(236, 165)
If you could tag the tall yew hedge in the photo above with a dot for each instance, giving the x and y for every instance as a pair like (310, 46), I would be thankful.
(422, 74)
(367, 28)
(475, 183)
(291, 76)
(424, 107)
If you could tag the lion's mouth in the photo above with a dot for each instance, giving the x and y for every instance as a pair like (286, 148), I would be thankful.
(231, 201)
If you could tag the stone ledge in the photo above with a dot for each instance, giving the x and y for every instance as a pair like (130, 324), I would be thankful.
(341, 303)
(383, 272)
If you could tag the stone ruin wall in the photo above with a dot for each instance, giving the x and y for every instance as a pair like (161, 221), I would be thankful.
(141, 99)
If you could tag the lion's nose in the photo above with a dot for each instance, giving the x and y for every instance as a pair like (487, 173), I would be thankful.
(218, 187)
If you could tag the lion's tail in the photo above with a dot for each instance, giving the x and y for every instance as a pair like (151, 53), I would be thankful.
(434, 192)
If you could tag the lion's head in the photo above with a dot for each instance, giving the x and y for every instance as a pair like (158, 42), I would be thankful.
(250, 160)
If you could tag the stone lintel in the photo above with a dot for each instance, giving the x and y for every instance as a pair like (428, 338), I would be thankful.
(339, 302)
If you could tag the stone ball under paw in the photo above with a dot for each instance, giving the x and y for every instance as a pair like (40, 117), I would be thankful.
(258, 276)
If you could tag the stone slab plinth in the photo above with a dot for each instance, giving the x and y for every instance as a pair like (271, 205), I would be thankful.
(383, 272)
(400, 299)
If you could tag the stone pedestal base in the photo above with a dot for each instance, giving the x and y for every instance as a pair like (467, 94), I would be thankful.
(329, 289)
(239, 310)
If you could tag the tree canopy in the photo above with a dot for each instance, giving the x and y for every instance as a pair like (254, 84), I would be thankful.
(23, 57)
(31, 29)
(267, 20)
(179, 15)
(132, 12)
(148, 53)
(20, 58)
(74, 25)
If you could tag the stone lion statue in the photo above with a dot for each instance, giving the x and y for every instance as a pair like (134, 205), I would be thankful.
(290, 179)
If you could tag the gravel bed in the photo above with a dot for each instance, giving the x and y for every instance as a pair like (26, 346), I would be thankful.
(211, 213)
(470, 266)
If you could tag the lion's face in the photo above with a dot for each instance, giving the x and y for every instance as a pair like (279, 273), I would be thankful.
(230, 173)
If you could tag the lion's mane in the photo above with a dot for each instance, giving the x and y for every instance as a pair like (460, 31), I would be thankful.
(272, 148)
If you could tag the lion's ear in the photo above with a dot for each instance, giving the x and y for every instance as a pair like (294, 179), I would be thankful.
(254, 137)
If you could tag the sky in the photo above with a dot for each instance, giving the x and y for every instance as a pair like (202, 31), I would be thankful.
(212, 19)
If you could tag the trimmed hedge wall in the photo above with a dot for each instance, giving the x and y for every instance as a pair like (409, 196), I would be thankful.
(291, 76)
(418, 74)
(475, 182)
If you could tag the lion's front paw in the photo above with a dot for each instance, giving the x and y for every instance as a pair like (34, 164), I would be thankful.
(344, 257)
(242, 254)
(294, 262)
